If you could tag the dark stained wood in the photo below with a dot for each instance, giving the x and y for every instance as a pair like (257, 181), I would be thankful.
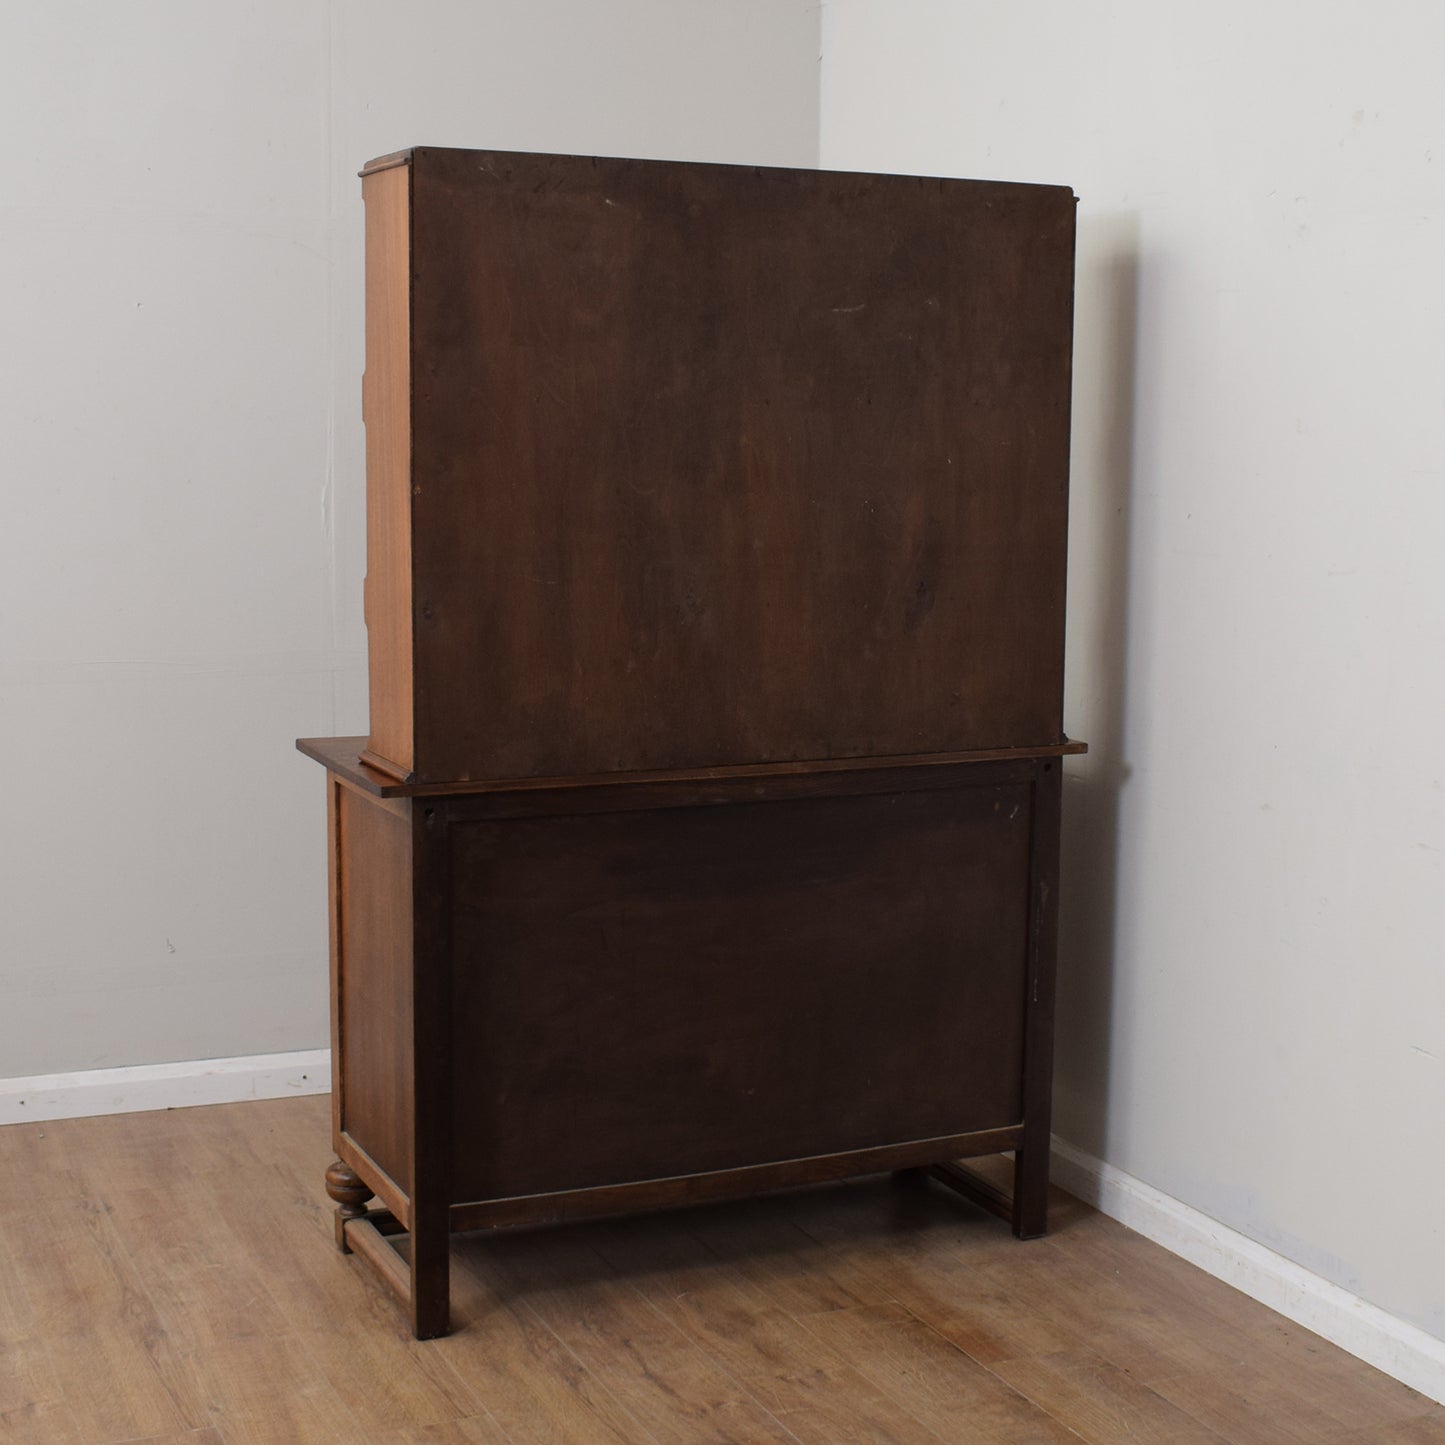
(975, 1188)
(1031, 1162)
(690, 1189)
(587, 999)
(346, 757)
(375, 995)
(345, 1186)
(387, 1190)
(718, 464)
(365, 1239)
(438, 1095)
(705, 837)
(811, 976)
(383, 1221)
(334, 784)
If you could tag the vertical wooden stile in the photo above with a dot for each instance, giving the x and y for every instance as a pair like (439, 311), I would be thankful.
(386, 409)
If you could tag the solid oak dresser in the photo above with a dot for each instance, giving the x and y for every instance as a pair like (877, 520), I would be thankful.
(705, 840)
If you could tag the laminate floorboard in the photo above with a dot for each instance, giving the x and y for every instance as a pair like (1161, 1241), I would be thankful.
(171, 1278)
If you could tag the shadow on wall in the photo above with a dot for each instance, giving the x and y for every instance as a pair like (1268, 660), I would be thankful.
(1105, 347)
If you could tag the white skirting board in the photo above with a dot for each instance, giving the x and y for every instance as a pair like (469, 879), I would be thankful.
(1399, 1349)
(164, 1086)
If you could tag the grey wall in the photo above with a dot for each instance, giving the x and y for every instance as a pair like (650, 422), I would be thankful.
(182, 549)
(1252, 1013)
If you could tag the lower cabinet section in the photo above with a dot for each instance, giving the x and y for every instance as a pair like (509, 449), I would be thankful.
(564, 1000)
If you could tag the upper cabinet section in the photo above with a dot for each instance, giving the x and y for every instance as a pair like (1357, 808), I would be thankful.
(676, 465)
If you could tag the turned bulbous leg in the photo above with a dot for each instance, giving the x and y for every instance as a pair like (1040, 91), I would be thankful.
(350, 1194)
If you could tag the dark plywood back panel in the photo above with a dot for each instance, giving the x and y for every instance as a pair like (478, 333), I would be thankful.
(374, 967)
(716, 465)
(645, 994)
(386, 407)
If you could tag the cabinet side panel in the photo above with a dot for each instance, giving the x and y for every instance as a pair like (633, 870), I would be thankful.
(374, 1001)
(386, 406)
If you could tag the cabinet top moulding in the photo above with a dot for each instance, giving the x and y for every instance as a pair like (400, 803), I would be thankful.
(674, 466)
(346, 757)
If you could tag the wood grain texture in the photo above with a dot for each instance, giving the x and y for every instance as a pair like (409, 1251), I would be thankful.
(628, 1346)
(436, 1100)
(1430, 1431)
(718, 464)
(571, 1001)
(334, 785)
(346, 758)
(386, 409)
(814, 976)
(40, 1424)
(476, 1430)
(1101, 1402)
(1031, 1163)
(115, 1374)
(900, 1354)
(717, 522)
(680, 1191)
(374, 991)
(363, 1237)
(179, 1286)
(389, 1194)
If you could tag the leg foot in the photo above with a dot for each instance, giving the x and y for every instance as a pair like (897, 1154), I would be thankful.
(1031, 1189)
(1026, 1209)
(975, 1188)
(430, 1303)
(345, 1187)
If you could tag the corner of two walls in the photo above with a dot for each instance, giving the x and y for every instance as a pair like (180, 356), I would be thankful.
(181, 589)
(1252, 1008)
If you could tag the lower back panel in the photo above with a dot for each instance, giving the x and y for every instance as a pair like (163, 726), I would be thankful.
(645, 994)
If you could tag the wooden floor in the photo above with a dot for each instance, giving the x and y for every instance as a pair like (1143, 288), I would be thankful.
(172, 1277)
